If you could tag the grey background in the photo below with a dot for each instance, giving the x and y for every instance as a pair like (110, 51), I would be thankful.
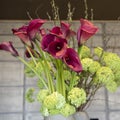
(13, 83)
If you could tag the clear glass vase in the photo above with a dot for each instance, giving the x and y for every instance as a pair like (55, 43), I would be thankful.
(76, 116)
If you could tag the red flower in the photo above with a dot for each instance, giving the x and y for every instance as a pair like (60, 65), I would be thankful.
(33, 27)
(67, 32)
(7, 46)
(86, 30)
(23, 35)
(72, 60)
(58, 48)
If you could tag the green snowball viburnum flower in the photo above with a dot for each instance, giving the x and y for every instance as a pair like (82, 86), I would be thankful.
(67, 110)
(98, 51)
(77, 96)
(54, 101)
(86, 62)
(94, 67)
(85, 52)
(112, 60)
(42, 94)
(105, 76)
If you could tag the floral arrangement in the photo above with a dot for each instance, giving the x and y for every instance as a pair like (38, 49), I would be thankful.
(68, 73)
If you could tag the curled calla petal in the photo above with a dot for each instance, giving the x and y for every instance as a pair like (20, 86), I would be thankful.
(56, 30)
(71, 59)
(7, 46)
(85, 31)
(22, 34)
(58, 48)
(33, 27)
(46, 40)
(67, 32)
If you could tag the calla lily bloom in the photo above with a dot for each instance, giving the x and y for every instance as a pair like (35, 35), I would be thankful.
(67, 32)
(46, 40)
(22, 34)
(34, 26)
(58, 48)
(72, 60)
(86, 30)
(7, 46)
(56, 31)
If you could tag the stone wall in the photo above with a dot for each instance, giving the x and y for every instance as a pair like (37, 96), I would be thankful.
(13, 83)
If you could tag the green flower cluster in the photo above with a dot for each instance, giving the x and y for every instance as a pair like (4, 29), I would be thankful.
(77, 96)
(90, 65)
(112, 61)
(105, 76)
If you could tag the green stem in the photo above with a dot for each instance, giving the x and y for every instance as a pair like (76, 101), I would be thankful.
(22, 60)
(31, 55)
(46, 68)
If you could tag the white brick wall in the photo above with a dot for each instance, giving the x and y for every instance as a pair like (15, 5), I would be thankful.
(13, 83)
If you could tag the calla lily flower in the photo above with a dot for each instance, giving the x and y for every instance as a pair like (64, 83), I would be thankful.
(72, 60)
(7, 46)
(46, 40)
(58, 48)
(23, 35)
(56, 31)
(67, 32)
(34, 26)
(86, 30)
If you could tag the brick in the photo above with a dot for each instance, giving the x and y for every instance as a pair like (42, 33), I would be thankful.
(31, 81)
(6, 56)
(15, 40)
(6, 26)
(98, 102)
(112, 27)
(34, 116)
(10, 116)
(115, 115)
(11, 99)
(114, 103)
(98, 114)
(95, 41)
(11, 74)
(35, 106)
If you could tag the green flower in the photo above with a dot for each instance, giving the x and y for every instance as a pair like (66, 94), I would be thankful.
(67, 110)
(54, 101)
(94, 67)
(29, 95)
(44, 111)
(86, 62)
(85, 52)
(42, 94)
(106, 77)
(77, 96)
(99, 51)
(112, 60)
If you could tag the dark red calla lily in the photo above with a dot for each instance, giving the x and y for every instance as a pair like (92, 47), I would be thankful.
(72, 60)
(86, 30)
(46, 40)
(67, 32)
(56, 30)
(22, 34)
(7, 46)
(58, 48)
(34, 26)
